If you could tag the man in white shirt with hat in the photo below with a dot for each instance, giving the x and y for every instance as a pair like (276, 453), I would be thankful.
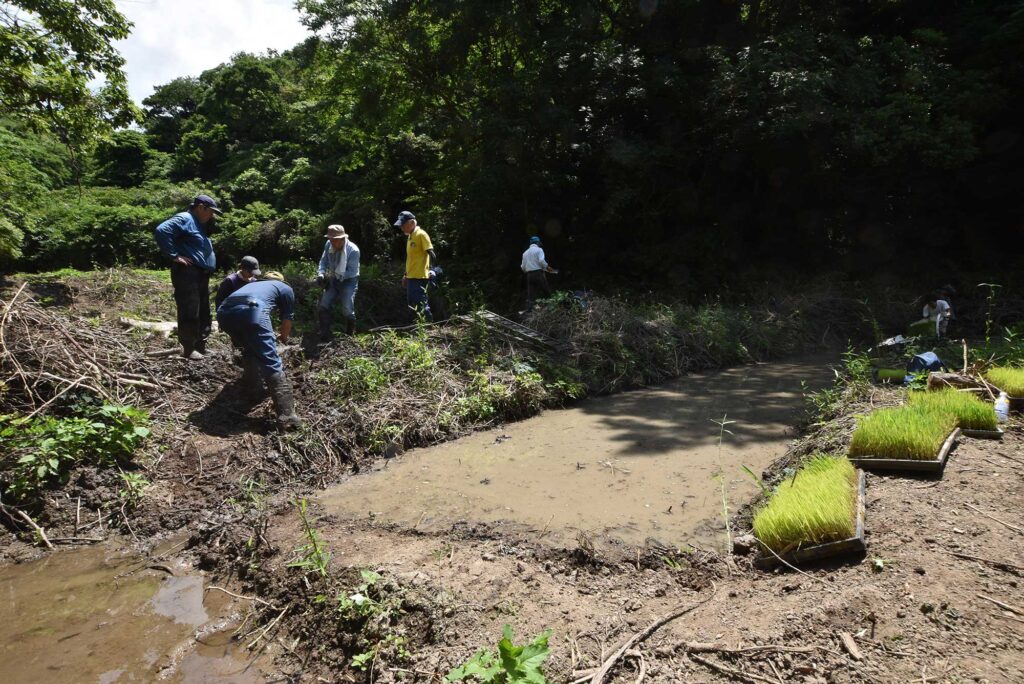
(338, 274)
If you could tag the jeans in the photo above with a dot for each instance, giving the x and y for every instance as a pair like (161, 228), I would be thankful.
(416, 296)
(250, 325)
(192, 298)
(344, 290)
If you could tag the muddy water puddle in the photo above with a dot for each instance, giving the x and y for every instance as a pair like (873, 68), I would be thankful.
(83, 616)
(630, 467)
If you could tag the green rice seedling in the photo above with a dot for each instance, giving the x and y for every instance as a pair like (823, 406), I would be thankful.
(906, 432)
(1009, 380)
(971, 412)
(891, 374)
(816, 506)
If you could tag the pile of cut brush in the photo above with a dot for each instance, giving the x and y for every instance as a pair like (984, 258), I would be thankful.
(46, 354)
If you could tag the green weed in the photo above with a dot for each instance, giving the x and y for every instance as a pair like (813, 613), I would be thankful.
(135, 485)
(312, 556)
(511, 664)
(905, 432)
(971, 412)
(40, 451)
(816, 506)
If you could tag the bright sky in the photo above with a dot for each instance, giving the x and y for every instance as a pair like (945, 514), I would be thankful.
(175, 38)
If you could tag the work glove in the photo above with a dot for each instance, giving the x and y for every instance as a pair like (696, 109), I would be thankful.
(320, 280)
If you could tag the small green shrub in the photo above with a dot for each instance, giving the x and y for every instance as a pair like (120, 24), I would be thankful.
(971, 412)
(40, 451)
(510, 665)
(1009, 380)
(905, 432)
(816, 506)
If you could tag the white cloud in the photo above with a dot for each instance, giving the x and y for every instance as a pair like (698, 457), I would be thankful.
(173, 38)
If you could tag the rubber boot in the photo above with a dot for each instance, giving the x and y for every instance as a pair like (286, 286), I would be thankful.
(350, 325)
(325, 325)
(284, 401)
(252, 378)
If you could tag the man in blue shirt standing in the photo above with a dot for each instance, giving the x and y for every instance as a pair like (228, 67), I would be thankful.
(245, 316)
(338, 274)
(183, 239)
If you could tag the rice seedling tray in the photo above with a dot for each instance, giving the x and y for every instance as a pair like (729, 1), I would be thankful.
(935, 465)
(1016, 403)
(983, 434)
(854, 544)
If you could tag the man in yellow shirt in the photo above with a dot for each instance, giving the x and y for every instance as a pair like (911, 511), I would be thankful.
(419, 262)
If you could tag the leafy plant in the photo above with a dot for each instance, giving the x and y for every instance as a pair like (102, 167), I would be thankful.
(134, 487)
(510, 665)
(359, 602)
(815, 506)
(40, 451)
(312, 556)
(905, 432)
(971, 412)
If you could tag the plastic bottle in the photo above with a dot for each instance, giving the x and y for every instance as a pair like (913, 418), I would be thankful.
(1002, 407)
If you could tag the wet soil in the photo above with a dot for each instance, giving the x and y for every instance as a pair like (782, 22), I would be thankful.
(630, 467)
(97, 615)
(914, 609)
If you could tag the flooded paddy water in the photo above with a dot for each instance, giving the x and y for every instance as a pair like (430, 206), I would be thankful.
(628, 467)
(93, 615)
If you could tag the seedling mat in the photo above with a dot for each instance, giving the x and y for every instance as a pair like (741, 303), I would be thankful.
(854, 544)
(935, 465)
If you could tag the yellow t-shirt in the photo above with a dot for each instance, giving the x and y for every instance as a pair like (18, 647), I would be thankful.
(416, 256)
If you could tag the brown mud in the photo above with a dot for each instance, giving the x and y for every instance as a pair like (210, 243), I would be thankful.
(914, 608)
(95, 615)
(625, 468)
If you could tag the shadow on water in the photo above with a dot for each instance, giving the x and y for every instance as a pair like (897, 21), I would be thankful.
(681, 414)
(626, 467)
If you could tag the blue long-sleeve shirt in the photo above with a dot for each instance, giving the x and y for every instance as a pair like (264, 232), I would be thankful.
(329, 261)
(271, 295)
(181, 235)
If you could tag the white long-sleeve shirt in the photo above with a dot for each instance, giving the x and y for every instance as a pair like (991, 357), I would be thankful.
(941, 310)
(533, 259)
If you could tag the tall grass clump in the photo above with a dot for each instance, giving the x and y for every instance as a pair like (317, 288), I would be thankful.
(816, 506)
(971, 412)
(1009, 380)
(906, 432)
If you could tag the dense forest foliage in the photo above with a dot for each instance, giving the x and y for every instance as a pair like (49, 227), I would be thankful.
(681, 145)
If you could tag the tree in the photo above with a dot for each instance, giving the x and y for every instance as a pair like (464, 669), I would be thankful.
(51, 49)
(122, 160)
(168, 108)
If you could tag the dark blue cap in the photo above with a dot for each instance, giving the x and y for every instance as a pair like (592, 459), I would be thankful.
(208, 201)
(404, 218)
(535, 240)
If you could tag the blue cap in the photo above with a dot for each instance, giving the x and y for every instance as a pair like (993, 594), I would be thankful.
(404, 218)
(535, 240)
(208, 201)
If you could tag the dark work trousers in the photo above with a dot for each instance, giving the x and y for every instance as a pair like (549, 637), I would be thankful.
(416, 297)
(192, 297)
(536, 287)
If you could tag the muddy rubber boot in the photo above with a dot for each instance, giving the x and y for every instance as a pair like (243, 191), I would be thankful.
(284, 401)
(252, 378)
(350, 326)
(325, 325)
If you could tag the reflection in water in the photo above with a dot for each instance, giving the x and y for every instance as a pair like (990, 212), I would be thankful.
(631, 466)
